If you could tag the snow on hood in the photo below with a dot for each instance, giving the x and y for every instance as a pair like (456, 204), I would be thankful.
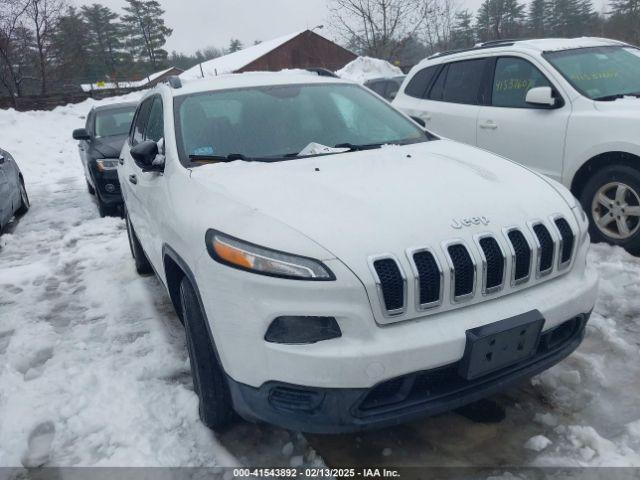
(385, 201)
(366, 68)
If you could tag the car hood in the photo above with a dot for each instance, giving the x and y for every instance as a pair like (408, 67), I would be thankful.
(109, 147)
(383, 201)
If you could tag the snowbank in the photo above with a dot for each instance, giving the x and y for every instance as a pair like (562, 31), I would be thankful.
(366, 68)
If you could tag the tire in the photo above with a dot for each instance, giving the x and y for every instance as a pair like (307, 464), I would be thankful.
(209, 380)
(24, 199)
(90, 189)
(105, 210)
(611, 198)
(143, 267)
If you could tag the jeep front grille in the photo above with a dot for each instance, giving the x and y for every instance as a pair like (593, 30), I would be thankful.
(493, 264)
(521, 256)
(568, 239)
(463, 272)
(429, 274)
(391, 284)
(546, 249)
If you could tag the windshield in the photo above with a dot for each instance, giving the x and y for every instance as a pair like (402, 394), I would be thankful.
(600, 73)
(114, 122)
(281, 121)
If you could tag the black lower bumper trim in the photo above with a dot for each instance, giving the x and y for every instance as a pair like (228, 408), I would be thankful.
(396, 401)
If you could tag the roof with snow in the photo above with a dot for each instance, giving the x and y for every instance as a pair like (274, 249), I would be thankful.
(318, 52)
(235, 61)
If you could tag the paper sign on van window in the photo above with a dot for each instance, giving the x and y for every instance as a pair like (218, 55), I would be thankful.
(203, 151)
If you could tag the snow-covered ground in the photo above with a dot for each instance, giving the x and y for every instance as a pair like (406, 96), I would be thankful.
(94, 370)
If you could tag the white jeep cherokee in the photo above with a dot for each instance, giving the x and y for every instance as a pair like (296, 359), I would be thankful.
(335, 266)
(568, 108)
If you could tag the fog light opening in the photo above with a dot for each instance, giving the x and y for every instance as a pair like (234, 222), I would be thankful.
(301, 330)
(110, 188)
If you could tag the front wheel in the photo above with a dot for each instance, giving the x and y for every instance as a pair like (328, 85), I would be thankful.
(143, 267)
(209, 381)
(24, 200)
(612, 199)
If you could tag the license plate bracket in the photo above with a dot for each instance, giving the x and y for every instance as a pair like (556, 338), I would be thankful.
(500, 344)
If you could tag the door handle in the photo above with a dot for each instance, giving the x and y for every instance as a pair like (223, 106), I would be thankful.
(133, 179)
(121, 161)
(489, 125)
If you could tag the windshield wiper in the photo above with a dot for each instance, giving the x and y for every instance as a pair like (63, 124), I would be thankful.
(616, 96)
(220, 158)
(356, 148)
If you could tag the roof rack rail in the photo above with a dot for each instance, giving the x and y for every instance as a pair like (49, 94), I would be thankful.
(481, 46)
(500, 41)
(174, 81)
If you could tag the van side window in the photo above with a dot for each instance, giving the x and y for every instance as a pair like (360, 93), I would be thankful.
(513, 78)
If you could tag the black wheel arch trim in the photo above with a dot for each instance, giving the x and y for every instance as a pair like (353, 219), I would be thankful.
(167, 251)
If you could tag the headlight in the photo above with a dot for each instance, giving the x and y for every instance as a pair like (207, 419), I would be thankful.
(105, 164)
(264, 261)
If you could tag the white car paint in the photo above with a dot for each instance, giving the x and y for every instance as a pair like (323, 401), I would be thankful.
(343, 209)
(555, 142)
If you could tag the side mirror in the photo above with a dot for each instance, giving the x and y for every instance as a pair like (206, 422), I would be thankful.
(541, 96)
(1, 159)
(145, 154)
(81, 134)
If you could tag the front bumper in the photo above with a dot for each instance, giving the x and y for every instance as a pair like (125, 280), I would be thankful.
(399, 400)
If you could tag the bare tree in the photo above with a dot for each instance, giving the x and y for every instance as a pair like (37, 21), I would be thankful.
(377, 28)
(12, 32)
(43, 16)
(438, 24)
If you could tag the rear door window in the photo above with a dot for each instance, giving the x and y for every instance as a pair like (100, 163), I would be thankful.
(464, 81)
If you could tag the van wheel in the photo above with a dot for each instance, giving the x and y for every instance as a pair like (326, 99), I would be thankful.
(612, 200)
(24, 200)
(143, 267)
(209, 381)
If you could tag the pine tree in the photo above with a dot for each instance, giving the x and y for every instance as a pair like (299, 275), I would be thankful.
(106, 41)
(235, 45)
(463, 33)
(146, 30)
(71, 42)
(498, 19)
(538, 18)
(626, 18)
